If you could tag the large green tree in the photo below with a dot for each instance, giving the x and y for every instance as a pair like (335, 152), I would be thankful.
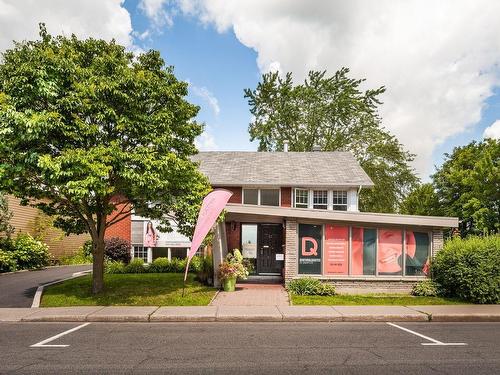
(334, 114)
(468, 186)
(87, 128)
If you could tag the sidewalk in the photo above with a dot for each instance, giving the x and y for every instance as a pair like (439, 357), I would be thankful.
(444, 313)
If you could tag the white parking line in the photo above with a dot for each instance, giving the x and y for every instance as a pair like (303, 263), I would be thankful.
(41, 344)
(433, 341)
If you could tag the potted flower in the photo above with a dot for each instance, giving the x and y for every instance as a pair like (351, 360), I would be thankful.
(231, 269)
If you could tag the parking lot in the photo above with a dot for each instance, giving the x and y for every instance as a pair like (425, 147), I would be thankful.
(377, 348)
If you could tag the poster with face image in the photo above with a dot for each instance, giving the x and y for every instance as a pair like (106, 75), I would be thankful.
(336, 250)
(364, 242)
(417, 253)
(390, 252)
(310, 249)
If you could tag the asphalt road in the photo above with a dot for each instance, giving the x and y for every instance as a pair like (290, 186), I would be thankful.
(271, 348)
(18, 289)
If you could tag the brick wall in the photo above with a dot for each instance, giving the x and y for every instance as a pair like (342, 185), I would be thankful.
(237, 193)
(291, 251)
(233, 235)
(437, 241)
(286, 197)
(123, 228)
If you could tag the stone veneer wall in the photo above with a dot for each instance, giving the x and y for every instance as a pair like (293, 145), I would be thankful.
(437, 241)
(291, 250)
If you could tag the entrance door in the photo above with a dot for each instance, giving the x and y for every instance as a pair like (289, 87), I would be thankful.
(269, 244)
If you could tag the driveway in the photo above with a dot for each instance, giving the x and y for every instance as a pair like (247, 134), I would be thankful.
(18, 289)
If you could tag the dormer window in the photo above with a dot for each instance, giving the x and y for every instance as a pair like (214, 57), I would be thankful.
(301, 198)
(320, 199)
(340, 200)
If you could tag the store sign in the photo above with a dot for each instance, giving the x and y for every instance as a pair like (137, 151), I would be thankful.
(336, 250)
(310, 247)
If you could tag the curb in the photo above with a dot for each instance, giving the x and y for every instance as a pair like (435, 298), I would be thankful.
(39, 291)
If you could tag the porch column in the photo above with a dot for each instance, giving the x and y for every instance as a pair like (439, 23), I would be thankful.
(150, 255)
(169, 254)
(219, 249)
(291, 250)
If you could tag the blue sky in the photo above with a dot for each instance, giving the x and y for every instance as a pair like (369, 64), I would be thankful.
(439, 61)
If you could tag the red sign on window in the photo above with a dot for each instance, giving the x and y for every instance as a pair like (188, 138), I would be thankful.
(336, 250)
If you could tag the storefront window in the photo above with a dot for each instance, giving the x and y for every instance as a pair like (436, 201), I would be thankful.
(390, 252)
(249, 243)
(340, 200)
(301, 198)
(320, 199)
(270, 197)
(310, 248)
(364, 244)
(141, 252)
(417, 253)
(251, 196)
(336, 250)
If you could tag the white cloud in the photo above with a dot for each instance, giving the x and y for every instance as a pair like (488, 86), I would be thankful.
(157, 12)
(492, 131)
(206, 141)
(438, 59)
(206, 95)
(104, 19)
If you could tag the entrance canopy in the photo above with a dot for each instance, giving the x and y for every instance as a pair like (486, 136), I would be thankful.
(251, 213)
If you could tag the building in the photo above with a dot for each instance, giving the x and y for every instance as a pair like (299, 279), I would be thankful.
(296, 214)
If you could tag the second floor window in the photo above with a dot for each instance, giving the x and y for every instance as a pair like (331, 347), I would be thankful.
(301, 198)
(340, 200)
(263, 197)
(320, 199)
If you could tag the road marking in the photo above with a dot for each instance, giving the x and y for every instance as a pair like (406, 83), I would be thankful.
(41, 344)
(433, 341)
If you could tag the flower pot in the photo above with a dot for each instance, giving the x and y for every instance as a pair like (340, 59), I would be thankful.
(229, 284)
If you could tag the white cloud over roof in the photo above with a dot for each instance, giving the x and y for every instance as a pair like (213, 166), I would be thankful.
(438, 59)
(492, 131)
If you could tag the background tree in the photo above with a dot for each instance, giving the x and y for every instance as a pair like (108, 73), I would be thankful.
(86, 128)
(336, 115)
(468, 186)
(423, 200)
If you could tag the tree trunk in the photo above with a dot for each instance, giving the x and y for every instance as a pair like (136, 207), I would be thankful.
(98, 265)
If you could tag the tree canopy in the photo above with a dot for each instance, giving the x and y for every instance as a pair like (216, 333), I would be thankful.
(467, 186)
(334, 114)
(87, 127)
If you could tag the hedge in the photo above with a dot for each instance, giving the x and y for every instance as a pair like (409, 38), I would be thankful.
(469, 269)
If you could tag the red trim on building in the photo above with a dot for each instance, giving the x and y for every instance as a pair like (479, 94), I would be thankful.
(237, 193)
(286, 197)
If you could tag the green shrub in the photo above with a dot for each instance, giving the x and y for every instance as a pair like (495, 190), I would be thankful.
(6, 244)
(135, 266)
(426, 288)
(87, 248)
(78, 258)
(177, 265)
(205, 274)
(30, 253)
(114, 267)
(196, 264)
(7, 262)
(469, 269)
(308, 286)
(159, 265)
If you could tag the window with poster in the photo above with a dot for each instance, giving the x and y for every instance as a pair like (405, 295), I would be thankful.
(310, 248)
(249, 244)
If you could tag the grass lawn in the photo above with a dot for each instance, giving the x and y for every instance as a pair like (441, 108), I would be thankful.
(374, 299)
(148, 289)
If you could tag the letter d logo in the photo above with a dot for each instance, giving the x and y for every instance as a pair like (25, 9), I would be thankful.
(314, 248)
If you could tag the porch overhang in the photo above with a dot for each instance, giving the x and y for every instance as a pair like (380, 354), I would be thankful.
(252, 213)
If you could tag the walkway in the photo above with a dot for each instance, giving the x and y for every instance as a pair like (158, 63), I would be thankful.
(18, 288)
(253, 295)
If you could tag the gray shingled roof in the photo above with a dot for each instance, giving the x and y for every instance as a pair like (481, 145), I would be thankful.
(308, 169)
